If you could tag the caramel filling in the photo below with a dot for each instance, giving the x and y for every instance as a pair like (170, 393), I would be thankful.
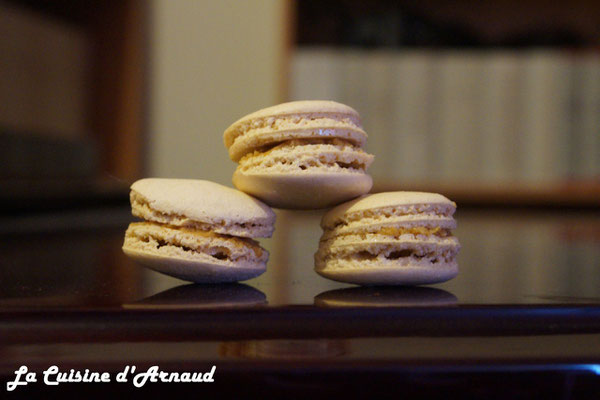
(417, 230)
(396, 232)
(266, 149)
(215, 251)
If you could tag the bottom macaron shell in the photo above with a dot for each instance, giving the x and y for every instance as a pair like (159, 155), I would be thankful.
(303, 191)
(195, 271)
(402, 275)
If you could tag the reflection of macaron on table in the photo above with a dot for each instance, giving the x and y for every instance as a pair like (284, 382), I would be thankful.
(303, 154)
(194, 297)
(396, 238)
(386, 296)
(197, 230)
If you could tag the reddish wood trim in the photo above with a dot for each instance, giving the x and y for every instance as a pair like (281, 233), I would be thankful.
(117, 81)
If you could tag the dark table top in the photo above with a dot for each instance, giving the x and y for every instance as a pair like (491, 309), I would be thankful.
(527, 299)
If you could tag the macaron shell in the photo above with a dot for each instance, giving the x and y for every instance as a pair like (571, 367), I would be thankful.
(400, 198)
(299, 107)
(405, 275)
(195, 271)
(202, 257)
(382, 204)
(303, 191)
(304, 108)
(188, 202)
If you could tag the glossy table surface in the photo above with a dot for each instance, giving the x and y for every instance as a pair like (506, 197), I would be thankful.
(527, 299)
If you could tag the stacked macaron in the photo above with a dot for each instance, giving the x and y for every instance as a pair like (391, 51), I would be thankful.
(397, 238)
(303, 154)
(198, 230)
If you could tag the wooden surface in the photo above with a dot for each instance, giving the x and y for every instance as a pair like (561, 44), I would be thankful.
(71, 299)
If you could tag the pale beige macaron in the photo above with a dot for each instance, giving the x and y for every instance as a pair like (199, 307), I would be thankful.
(302, 154)
(395, 238)
(198, 230)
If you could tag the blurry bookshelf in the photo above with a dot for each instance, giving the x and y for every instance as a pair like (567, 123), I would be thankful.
(507, 113)
(71, 81)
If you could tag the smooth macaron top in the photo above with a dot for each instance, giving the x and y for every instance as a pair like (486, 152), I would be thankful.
(300, 107)
(202, 205)
(293, 108)
(403, 202)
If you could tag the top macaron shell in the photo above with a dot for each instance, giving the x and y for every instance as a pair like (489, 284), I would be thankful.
(188, 202)
(386, 200)
(293, 120)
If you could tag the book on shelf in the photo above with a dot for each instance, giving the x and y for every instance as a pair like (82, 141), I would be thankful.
(315, 75)
(500, 111)
(585, 133)
(545, 117)
(472, 117)
(458, 126)
(411, 131)
(378, 107)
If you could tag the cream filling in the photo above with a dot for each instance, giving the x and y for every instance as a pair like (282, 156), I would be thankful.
(393, 254)
(386, 234)
(230, 248)
(303, 154)
(433, 244)
(396, 232)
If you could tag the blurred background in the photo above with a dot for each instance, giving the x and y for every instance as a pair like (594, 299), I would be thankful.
(494, 104)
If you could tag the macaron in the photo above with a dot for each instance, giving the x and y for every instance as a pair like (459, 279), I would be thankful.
(394, 238)
(300, 155)
(198, 230)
